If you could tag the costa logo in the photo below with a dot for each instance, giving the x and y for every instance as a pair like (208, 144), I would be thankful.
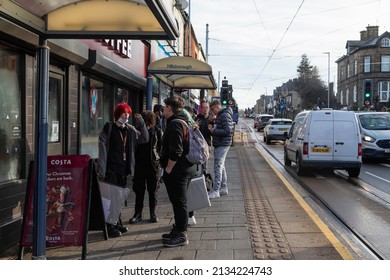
(61, 162)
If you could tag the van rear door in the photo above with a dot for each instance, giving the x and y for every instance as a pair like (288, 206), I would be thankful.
(346, 137)
(321, 136)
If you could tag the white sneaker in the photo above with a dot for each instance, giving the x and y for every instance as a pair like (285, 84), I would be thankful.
(214, 194)
(191, 221)
(223, 191)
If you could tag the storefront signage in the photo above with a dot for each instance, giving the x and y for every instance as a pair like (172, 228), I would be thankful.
(67, 192)
(120, 47)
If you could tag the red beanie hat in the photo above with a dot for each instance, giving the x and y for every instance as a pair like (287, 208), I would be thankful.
(120, 109)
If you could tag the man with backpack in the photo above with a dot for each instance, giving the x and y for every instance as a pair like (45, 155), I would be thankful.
(222, 133)
(178, 171)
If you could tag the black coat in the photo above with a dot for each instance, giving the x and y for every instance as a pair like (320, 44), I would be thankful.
(223, 132)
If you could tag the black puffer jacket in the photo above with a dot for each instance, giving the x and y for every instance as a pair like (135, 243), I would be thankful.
(223, 132)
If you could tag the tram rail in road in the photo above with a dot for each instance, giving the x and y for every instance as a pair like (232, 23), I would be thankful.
(371, 248)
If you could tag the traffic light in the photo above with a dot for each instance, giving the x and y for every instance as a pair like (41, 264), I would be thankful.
(224, 95)
(231, 102)
(367, 93)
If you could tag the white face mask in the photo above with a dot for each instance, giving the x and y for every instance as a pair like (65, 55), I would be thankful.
(122, 121)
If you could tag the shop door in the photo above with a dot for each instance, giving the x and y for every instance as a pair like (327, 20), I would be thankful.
(56, 137)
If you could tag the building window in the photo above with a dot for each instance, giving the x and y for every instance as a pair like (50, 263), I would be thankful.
(347, 96)
(367, 64)
(385, 43)
(385, 63)
(384, 91)
(97, 103)
(11, 143)
(342, 73)
(342, 97)
(355, 99)
(348, 69)
(355, 67)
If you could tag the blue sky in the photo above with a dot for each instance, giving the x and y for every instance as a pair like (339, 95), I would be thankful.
(257, 44)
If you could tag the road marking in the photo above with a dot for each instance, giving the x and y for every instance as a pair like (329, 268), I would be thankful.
(384, 164)
(340, 248)
(376, 176)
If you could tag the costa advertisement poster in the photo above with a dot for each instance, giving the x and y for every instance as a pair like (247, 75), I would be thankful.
(66, 201)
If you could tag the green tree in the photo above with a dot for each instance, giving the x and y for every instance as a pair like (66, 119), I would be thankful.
(308, 85)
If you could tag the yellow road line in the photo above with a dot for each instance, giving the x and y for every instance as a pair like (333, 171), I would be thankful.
(323, 227)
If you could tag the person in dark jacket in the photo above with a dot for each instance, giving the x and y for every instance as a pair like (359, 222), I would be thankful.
(117, 142)
(178, 171)
(146, 173)
(222, 138)
(158, 109)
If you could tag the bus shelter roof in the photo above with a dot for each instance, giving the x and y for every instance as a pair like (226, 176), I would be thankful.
(122, 19)
(183, 72)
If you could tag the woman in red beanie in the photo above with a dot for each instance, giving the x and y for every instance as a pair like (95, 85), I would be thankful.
(117, 142)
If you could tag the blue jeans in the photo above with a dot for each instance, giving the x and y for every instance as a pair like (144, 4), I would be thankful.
(220, 180)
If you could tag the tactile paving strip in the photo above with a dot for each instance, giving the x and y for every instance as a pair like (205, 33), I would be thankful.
(268, 240)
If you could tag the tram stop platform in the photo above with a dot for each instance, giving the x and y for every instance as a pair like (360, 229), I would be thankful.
(261, 218)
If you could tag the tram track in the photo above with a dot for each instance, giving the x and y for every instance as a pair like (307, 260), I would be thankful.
(370, 248)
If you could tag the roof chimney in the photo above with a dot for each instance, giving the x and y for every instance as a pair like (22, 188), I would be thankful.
(372, 32)
(363, 35)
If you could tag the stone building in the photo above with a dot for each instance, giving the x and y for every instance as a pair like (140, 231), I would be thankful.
(365, 67)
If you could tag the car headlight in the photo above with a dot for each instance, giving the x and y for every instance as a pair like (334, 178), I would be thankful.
(367, 138)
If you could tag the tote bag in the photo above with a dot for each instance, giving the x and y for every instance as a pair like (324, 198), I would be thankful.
(197, 196)
(113, 199)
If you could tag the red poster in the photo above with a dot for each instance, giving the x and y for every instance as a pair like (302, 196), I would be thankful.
(66, 201)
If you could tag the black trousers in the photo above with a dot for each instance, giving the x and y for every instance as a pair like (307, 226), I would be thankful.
(177, 185)
(145, 179)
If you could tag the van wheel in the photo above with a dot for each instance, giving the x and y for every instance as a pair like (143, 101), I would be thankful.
(298, 165)
(264, 139)
(353, 172)
(287, 162)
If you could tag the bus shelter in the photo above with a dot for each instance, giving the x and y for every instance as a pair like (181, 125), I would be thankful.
(180, 72)
(76, 19)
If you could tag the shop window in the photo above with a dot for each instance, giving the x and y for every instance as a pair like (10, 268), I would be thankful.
(10, 115)
(97, 103)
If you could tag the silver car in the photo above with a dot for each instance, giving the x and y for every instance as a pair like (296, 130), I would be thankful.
(375, 131)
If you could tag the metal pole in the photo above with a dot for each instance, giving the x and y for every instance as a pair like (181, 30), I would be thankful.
(40, 162)
(328, 53)
(189, 28)
(207, 42)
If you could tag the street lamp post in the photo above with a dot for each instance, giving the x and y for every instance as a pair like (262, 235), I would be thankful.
(328, 53)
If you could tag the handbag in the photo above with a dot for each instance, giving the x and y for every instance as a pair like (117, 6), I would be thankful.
(197, 196)
(113, 199)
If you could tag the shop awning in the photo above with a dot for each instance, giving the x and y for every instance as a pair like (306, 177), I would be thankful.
(183, 72)
(124, 19)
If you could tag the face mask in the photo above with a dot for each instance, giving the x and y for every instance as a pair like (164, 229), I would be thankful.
(122, 121)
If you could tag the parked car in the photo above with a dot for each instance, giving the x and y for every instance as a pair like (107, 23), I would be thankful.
(325, 139)
(261, 120)
(275, 130)
(375, 131)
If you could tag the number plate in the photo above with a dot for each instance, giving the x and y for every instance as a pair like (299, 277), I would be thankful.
(320, 150)
(283, 129)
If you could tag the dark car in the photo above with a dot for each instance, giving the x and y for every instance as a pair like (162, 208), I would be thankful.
(261, 121)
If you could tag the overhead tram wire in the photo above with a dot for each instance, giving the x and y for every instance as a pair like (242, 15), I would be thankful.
(277, 46)
(262, 23)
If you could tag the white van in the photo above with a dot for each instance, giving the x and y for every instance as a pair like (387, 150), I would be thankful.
(325, 139)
